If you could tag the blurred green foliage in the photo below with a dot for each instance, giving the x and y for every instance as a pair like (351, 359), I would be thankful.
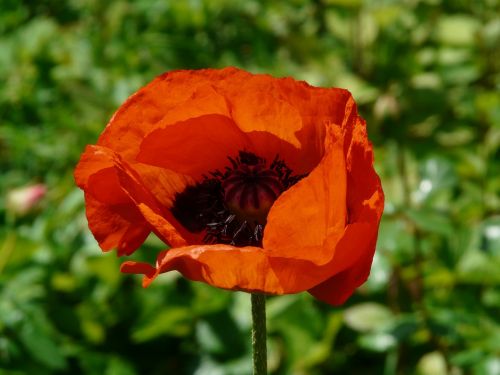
(426, 74)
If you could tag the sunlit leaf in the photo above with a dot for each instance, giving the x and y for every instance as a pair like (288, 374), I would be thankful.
(368, 316)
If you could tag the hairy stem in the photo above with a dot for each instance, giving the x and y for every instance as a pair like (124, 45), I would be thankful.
(259, 334)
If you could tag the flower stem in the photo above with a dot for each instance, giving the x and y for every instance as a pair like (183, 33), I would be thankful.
(259, 334)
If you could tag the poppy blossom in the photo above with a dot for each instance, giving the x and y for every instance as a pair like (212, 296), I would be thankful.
(255, 183)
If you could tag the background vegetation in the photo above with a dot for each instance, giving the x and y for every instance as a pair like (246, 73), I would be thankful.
(426, 74)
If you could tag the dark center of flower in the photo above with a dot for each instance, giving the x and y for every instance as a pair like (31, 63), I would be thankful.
(250, 190)
(232, 206)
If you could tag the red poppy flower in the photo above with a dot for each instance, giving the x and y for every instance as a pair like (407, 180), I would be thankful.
(255, 183)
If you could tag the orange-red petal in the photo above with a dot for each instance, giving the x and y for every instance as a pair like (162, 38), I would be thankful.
(152, 211)
(338, 288)
(196, 146)
(112, 229)
(365, 197)
(321, 233)
(316, 239)
(365, 200)
(116, 198)
(172, 97)
(251, 269)
(93, 159)
(162, 183)
(312, 213)
(112, 219)
(292, 111)
(224, 266)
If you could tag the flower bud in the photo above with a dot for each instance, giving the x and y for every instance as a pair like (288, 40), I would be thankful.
(22, 200)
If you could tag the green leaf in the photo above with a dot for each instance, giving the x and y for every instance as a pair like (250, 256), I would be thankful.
(368, 316)
(219, 334)
(431, 221)
(477, 267)
(174, 321)
(490, 236)
(432, 364)
(119, 366)
(457, 30)
(490, 366)
(41, 346)
(395, 240)
(379, 274)
(378, 342)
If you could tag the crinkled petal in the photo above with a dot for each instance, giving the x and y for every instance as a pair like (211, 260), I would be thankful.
(365, 201)
(293, 111)
(337, 289)
(159, 218)
(196, 146)
(93, 159)
(250, 268)
(311, 213)
(116, 195)
(162, 183)
(316, 106)
(172, 97)
(308, 245)
(365, 198)
(321, 233)
(113, 220)
(112, 230)
(256, 108)
(224, 266)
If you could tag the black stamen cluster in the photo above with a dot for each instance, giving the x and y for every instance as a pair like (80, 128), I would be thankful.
(201, 207)
(285, 173)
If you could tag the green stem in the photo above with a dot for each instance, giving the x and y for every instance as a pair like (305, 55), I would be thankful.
(259, 334)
